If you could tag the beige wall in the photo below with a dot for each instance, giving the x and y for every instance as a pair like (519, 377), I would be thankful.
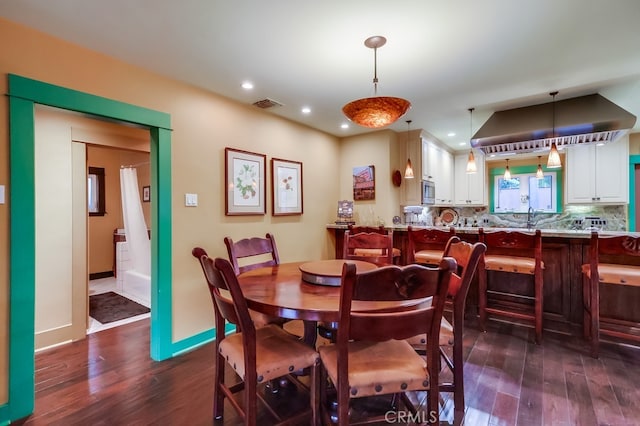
(634, 144)
(379, 149)
(203, 124)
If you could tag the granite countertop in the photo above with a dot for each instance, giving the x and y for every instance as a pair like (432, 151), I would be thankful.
(563, 233)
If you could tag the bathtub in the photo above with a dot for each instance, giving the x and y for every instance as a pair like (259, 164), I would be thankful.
(130, 283)
(137, 287)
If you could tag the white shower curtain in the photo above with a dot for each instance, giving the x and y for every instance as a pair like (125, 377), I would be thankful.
(135, 227)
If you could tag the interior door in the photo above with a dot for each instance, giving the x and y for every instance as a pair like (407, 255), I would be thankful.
(61, 232)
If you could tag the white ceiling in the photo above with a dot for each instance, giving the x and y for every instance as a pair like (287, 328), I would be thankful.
(443, 56)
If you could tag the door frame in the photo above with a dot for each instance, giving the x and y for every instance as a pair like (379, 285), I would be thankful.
(24, 93)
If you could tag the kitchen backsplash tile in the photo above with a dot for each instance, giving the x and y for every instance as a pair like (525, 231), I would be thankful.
(608, 218)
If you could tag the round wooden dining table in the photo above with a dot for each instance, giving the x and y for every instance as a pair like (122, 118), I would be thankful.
(281, 291)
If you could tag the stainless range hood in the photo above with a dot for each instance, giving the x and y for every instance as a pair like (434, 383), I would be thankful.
(581, 120)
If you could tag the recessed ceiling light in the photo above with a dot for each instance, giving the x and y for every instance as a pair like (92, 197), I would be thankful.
(451, 134)
(462, 143)
(306, 110)
(247, 85)
(344, 126)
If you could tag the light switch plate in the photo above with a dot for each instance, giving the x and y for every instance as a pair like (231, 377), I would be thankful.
(190, 200)
(1, 194)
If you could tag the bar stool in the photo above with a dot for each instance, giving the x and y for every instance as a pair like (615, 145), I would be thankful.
(426, 245)
(397, 253)
(512, 252)
(613, 260)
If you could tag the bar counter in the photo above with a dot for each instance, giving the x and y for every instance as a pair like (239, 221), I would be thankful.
(563, 253)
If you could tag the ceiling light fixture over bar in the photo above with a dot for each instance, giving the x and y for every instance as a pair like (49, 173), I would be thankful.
(377, 111)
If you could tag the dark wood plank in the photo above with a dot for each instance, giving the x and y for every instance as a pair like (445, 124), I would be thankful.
(530, 406)
(604, 400)
(554, 396)
(581, 409)
(109, 378)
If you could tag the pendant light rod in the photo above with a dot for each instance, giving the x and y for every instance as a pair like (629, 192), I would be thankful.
(553, 109)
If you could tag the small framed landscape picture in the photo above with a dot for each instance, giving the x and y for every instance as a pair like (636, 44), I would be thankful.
(286, 187)
(245, 176)
(146, 194)
(364, 183)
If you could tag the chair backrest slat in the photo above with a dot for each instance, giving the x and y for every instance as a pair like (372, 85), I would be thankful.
(224, 307)
(427, 239)
(263, 249)
(393, 283)
(378, 247)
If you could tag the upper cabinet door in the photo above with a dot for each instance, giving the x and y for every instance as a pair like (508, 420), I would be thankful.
(598, 174)
(470, 189)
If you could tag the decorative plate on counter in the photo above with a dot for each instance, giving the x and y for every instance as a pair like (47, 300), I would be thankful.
(449, 217)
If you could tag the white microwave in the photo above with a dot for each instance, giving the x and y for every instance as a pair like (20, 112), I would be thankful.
(428, 192)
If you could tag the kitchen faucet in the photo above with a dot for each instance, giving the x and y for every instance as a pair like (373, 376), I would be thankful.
(530, 215)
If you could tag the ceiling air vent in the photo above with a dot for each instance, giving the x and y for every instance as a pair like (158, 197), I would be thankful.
(267, 103)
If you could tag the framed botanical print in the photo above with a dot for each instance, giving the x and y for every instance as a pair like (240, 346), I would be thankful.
(286, 187)
(245, 181)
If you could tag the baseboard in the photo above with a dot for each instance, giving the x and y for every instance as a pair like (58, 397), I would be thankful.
(98, 275)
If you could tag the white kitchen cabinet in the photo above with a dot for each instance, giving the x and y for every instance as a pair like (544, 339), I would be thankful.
(470, 189)
(598, 174)
(437, 166)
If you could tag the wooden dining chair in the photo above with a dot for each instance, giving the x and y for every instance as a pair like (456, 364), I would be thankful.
(353, 229)
(518, 254)
(467, 257)
(370, 356)
(426, 245)
(613, 261)
(262, 251)
(371, 247)
(257, 355)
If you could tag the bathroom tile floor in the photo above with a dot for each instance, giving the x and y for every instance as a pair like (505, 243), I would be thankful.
(104, 285)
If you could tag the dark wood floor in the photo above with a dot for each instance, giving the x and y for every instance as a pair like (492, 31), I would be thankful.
(109, 379)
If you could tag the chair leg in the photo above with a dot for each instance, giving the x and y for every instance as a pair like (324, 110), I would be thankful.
(458, 381)
(482, 297)
(586, 308)
(595, 317)
(218, 395)
(250, 398)
(539, 298)
(314, 390)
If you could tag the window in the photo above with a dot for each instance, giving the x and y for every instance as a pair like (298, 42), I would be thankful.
(524, 190)
(95, 191)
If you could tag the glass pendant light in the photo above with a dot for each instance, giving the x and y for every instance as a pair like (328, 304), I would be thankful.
(408, 171)
(471, 162)
(539, 172)
(507, 172)
(553, 161)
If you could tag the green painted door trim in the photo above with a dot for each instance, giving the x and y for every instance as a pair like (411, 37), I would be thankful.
(634, 160)
(24, 93)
